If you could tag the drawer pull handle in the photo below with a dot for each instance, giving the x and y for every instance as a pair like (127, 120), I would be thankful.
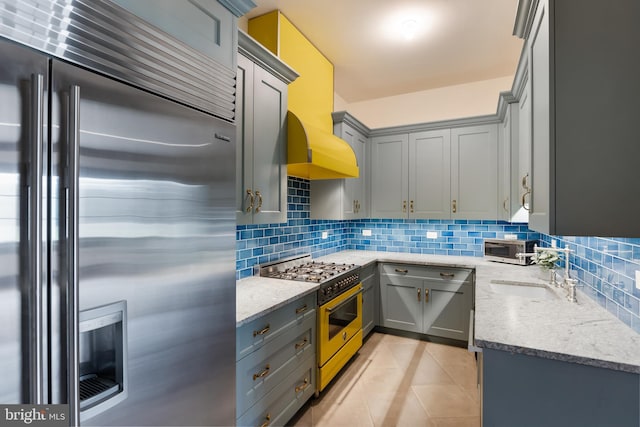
(302, 309)
(301, 344)
(418, 294)
(303, 386)
(401, 270)
(264, 373)
(262, 331)
(266, 423)
(449, 275)
(426, 296)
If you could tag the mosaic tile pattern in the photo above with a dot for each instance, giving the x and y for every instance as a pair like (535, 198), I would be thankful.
(604, 267)
(452, 237)
(258, 244)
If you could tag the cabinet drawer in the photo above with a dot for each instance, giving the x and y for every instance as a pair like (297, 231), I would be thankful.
(280, 404)
(255, 334)
(444, 274)
(264, 369)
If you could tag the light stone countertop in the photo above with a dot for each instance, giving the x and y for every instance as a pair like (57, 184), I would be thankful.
(583, 332)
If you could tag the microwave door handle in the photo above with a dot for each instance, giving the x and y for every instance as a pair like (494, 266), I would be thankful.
(340, 304)
(495, 246)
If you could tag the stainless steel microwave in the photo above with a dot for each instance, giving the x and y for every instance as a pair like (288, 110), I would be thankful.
(503, 250)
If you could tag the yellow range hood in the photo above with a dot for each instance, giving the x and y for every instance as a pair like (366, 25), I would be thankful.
(316, 154)
(313, 151)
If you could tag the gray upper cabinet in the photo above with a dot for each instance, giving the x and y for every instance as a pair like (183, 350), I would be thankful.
(523, 179)
(509, 183)
(436, 174)
(504, 166)
(389, 176)
(430, 175)
(474, 172)
(344, 198)
(205, 25)
(261, 156)
(584, 68)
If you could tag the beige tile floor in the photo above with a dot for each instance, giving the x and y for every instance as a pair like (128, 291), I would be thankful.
(398, 381)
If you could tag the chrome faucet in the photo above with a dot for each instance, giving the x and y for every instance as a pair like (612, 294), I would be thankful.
(571, 285)
(567, 281)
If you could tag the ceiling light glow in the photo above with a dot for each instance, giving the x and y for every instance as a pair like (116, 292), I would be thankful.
(409, 29)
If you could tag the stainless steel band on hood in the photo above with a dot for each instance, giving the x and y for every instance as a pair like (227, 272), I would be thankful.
(106, 38)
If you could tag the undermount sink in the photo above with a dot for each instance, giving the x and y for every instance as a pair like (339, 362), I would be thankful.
(522, 289)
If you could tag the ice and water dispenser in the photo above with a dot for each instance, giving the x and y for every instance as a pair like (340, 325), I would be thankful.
(103, 358)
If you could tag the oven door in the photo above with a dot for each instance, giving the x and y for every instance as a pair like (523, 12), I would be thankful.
(338, 321)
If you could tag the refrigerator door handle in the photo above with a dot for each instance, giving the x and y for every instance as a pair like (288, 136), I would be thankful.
(73, 333)
(36, 305)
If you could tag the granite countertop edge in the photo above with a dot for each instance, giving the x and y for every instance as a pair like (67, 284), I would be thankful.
(556, 330)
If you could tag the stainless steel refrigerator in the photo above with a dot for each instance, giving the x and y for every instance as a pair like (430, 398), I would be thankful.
(117, 224)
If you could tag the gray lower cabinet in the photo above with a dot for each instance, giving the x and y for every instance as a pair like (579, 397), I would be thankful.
(261, 154)
(428, 300)
(276, 364)
(370, 298)
(527, 391)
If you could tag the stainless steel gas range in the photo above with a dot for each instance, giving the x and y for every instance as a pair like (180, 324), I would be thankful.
(339, 324)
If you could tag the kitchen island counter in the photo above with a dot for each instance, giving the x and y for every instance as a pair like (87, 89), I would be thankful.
(555, 328)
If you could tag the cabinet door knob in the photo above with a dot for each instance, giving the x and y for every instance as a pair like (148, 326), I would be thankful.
(259, 207)
(404, 206)
(426, 296)
(251, 197)
(411, 206)
(454, 206)
(418, 294)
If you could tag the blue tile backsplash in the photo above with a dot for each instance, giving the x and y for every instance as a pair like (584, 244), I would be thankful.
(605, 267)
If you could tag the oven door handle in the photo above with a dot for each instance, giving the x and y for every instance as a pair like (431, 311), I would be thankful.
(340, 304)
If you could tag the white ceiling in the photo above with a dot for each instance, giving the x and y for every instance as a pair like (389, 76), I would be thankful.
(459, 41)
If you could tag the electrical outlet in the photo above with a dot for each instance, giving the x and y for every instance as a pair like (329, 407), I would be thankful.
(511, 237)
(432, 234)
(554, 243)
(637, 279)
(325, 235)
(366, 232)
